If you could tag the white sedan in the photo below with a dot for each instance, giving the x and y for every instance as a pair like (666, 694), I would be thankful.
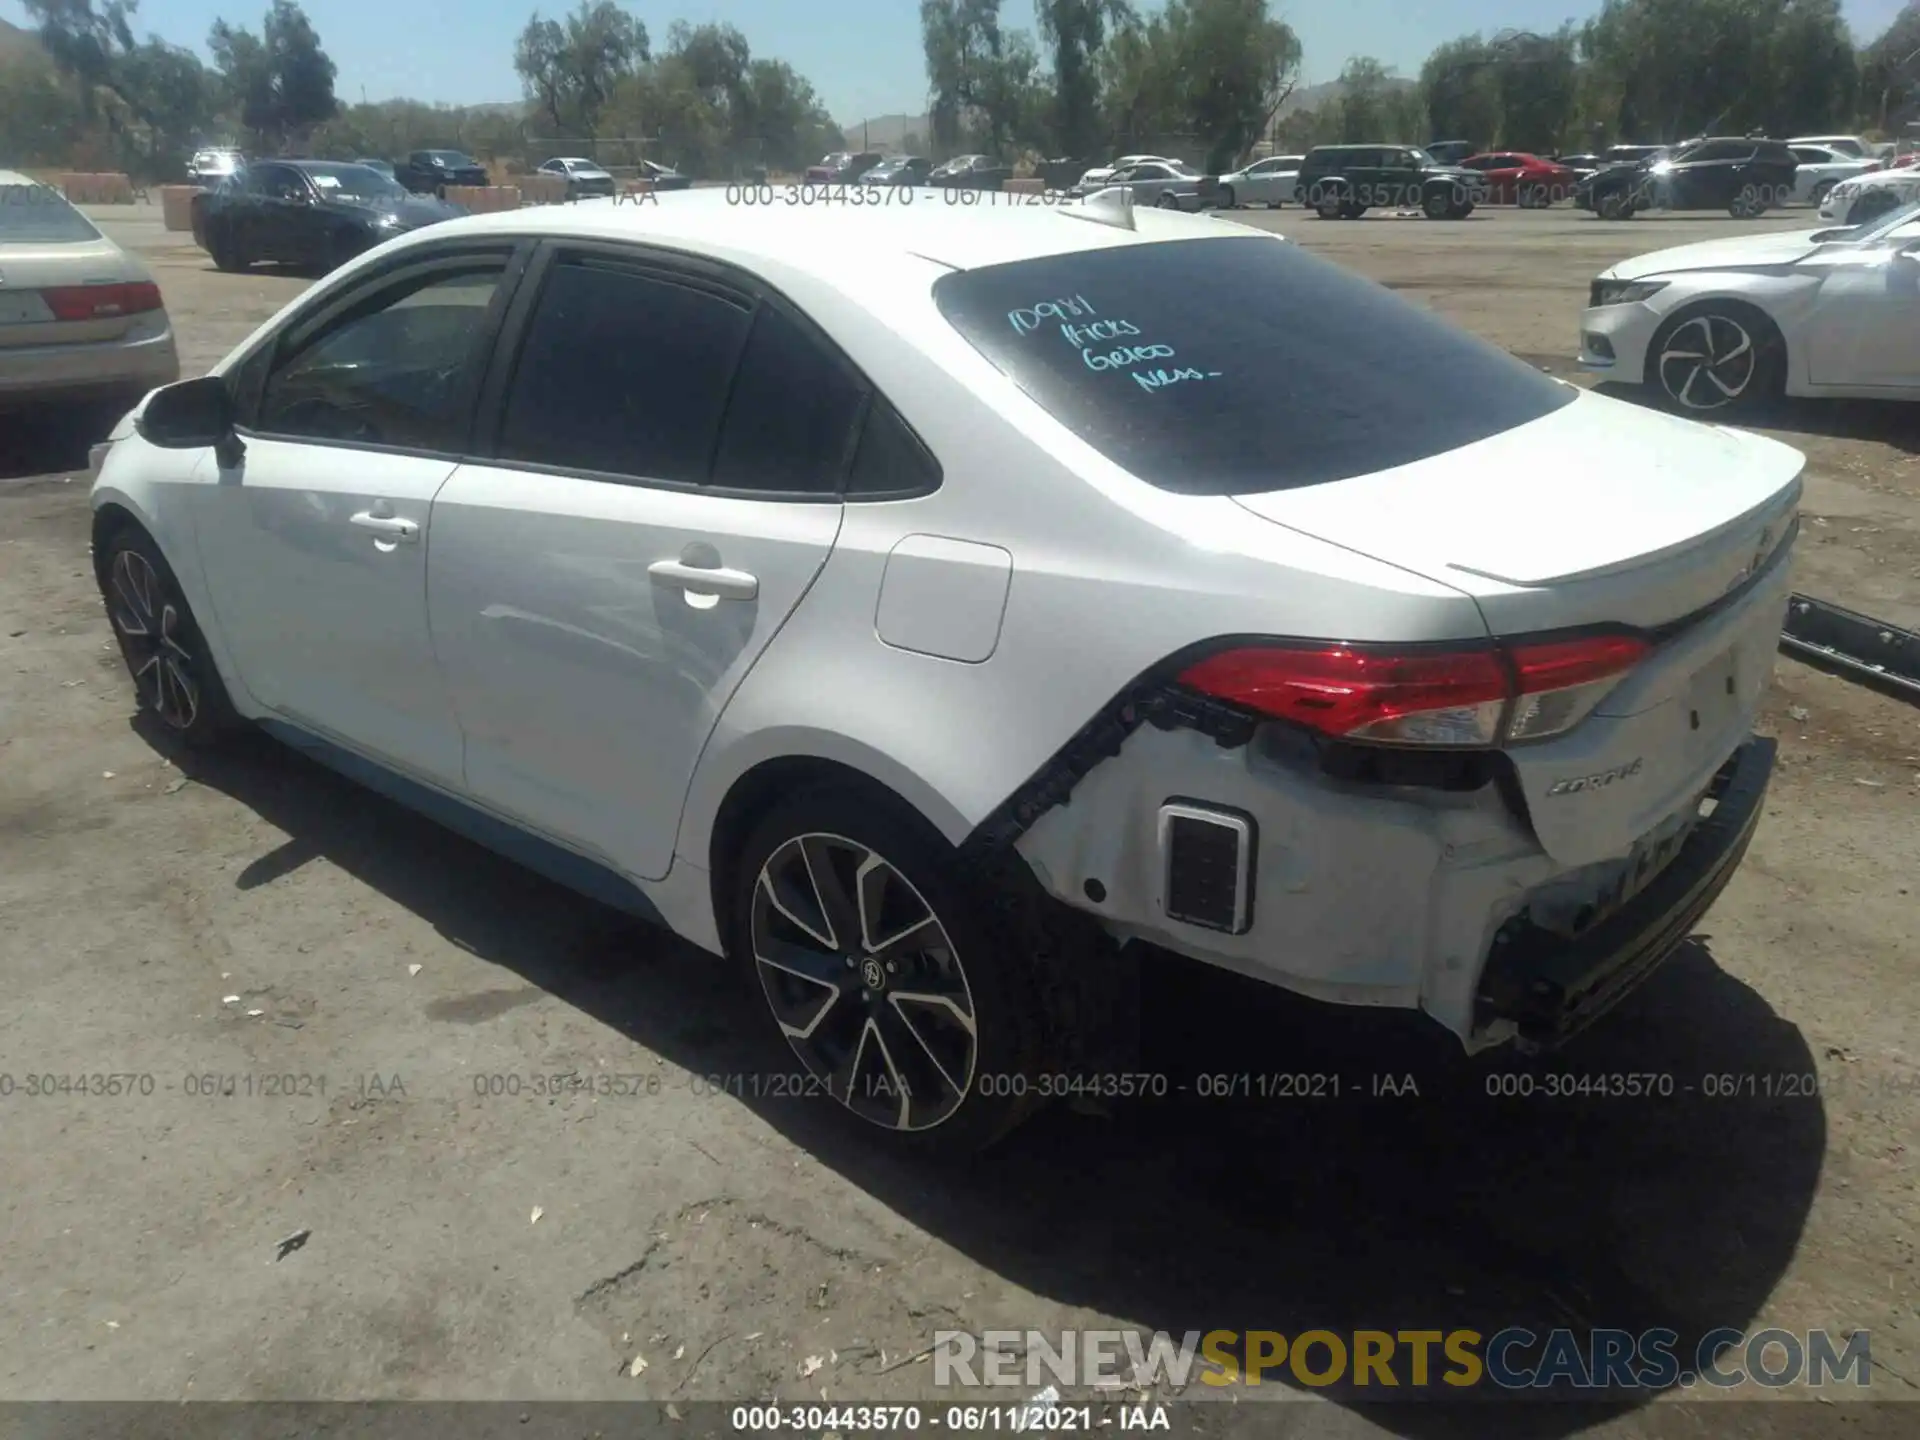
(1821, 168)
(1869, 196)
(1726, 325)
(914, 605)
(1095, 178)
(1268, 182)
(81, 320)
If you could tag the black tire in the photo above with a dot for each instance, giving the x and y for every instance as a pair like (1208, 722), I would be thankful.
(175, 679)
(1226, 200)
(1437, 205)
(1166, 201)
(1717, 358)
(1330, 206)
(1821, 191)
(1614, 205)
(1352, 210)
(1535, 197)
(1460, 211)
(830, 1001)
(225, 254)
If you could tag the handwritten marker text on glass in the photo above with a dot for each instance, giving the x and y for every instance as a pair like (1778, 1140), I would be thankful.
(1159, 379)
(1073, 307)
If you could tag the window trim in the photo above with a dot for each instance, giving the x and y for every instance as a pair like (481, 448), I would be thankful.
(695, 272)
(330, 308)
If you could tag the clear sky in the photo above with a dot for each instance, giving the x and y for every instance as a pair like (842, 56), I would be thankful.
(863, 56)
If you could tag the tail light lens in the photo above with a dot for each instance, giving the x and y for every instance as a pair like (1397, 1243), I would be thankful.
(1480, 696)
(102, 302)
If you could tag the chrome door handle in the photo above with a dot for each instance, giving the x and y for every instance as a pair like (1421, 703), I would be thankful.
(728, 584)
(389, 525)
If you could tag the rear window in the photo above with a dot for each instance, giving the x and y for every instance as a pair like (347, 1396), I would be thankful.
(38, 215)
(1237, 366)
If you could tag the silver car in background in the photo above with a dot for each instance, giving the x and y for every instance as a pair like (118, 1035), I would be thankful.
(81, 320)
(1268, 182)
(1168, 184)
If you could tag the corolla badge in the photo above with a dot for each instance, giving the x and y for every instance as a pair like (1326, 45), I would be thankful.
(1579, 784)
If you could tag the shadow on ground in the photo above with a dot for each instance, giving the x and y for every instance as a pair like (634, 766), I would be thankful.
(1886, 422)
(1441, 1207)
(53, 440)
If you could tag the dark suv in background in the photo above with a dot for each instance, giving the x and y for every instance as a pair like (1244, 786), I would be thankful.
(430, 172)
(1343, 182)
(1741, 175)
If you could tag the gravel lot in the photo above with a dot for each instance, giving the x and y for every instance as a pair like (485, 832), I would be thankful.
(475, 1245)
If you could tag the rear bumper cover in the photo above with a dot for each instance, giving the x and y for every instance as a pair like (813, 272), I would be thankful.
(1550, 988)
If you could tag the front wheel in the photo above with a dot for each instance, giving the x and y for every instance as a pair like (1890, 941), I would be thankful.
(1615, 206)
(893, 973)
(1228, 201)
(1437, 204)
(1330, 207)
(174, 677)
(1719, 358)
(1820, 193)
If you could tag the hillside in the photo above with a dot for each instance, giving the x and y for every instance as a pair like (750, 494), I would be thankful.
(1312, 97)
(887, 133)
(16, 43)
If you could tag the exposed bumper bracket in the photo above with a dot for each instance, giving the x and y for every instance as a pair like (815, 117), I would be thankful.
(1552, 988)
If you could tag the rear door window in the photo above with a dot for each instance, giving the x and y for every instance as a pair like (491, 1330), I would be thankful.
(1239, 365)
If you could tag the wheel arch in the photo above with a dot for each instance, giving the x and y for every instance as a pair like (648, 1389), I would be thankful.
(713, 834)
(1745, 308)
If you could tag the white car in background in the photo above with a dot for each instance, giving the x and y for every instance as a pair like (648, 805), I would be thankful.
(1095, 178)
(1851, 145)
(1867, 197)
(1724, 325)
(941, 598)
(1268, 182)
(81, 320)
(1821, 168)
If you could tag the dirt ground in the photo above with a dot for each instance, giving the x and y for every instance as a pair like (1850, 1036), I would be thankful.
(214, 923)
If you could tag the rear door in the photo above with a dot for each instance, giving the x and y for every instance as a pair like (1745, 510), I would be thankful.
(659, 490)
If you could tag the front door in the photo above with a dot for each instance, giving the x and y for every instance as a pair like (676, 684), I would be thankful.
(1865, 328)
(315, 544)
(662, 490)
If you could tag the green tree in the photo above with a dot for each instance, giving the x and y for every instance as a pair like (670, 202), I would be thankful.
(1240, 64)
(572, 67)
(1536, 81)
(1074, 31)
(1461, 92)
(1890, 71)
(964, 49)
(279, 82)
(86, 39)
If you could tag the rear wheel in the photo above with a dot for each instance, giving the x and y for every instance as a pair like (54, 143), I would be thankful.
(1228, 200)
(1721, 357)
(1535, 197)
(1820, 193)
(1615, 205)
(226, 254)
(895, 975)
(174, 677)
(1166, 201)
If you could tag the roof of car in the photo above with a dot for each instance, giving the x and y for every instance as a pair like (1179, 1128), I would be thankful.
(837, 243)
(14, 177)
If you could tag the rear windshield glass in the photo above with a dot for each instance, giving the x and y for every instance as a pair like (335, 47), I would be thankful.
(1237, 366)
(37, 215)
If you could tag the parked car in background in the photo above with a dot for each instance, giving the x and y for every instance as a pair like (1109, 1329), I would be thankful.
(1725, 325)
(1868, 197)
(383, 167)
(585, 179)
(1063, 172)
(1167, 184)
(899, 170)
(843, 167)
(1268, 182)
(1451, 152)
(766, 571)
(1743, 176)
(664, 177)
(1343, 182)
(1849, 145)
(970, 172)
(209, 167)
(81, 320)
(313, 213)
(1820, 168)
(1582, 163)
(430, 172)
(1516, 178)
(1092, 179)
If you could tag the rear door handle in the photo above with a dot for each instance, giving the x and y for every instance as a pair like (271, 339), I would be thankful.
(391, 526)
(728, 584)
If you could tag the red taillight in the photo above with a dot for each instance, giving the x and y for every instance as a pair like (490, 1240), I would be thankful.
(102, 302)
(1471, 696)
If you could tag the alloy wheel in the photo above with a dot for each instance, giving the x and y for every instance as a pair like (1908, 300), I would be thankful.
(152, 628)
(864, 981)
(1708, 362)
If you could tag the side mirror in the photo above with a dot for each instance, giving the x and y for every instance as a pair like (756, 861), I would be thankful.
(192, 415)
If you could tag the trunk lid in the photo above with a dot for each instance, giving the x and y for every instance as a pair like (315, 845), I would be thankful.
(1600, 514)
(28, 269)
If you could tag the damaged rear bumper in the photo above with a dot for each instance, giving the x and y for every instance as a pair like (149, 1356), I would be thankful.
(1549, 988)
